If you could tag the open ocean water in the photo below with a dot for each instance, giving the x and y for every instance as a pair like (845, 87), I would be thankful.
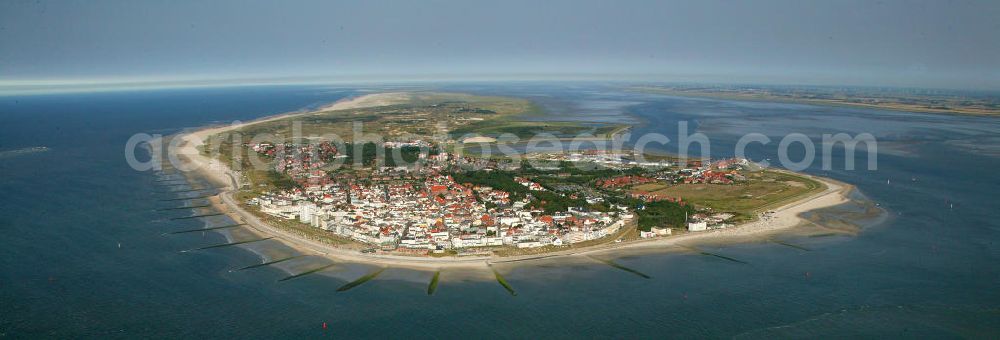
(82, 251)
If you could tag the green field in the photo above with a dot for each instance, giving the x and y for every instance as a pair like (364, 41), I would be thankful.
(525, 130)
(423, 115)
(409, 115)
(764, 190)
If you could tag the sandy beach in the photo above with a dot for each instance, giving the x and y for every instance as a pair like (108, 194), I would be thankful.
(782, 218)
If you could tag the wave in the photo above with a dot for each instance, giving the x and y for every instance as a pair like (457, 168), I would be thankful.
(23, 151)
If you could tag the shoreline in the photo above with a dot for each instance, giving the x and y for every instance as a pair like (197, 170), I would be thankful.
(821, 102)
(784, 217)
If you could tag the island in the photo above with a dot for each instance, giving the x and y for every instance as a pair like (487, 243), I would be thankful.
(412, 198)
(978, 103)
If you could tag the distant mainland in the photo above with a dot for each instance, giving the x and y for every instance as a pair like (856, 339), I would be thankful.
(912, 100)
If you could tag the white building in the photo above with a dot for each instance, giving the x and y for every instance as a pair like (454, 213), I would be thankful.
(697, 226)
(306, 211)
(661, 231)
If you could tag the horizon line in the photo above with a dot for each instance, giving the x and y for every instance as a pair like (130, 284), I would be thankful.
(66, 86)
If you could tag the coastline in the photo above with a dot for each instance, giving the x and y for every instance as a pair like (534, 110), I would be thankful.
(783, 218)
(823, 102)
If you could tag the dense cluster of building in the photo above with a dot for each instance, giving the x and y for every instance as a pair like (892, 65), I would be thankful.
(295, 158)
(424, 209)
(719, 172)
(421, 209)
(624, 181)
(434, 213)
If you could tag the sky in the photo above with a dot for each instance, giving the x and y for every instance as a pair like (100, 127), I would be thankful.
(935, 44)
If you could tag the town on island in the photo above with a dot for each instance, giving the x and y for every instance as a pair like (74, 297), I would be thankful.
(408, 194)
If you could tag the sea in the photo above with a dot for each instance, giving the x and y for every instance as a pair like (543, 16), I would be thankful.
(88, 251)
